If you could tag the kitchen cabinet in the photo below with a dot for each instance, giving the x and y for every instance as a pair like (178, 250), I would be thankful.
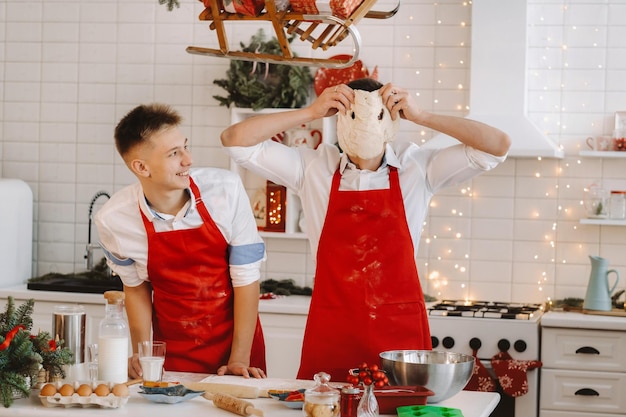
(43, 311)
(252, 182)
(283, 343)
(584, 367)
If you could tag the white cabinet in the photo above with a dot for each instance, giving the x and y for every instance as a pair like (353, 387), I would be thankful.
(584, 372)
(283, 343)
(252, 182)
(43, 310)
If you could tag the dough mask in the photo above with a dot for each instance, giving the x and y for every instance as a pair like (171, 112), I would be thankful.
(364, 131)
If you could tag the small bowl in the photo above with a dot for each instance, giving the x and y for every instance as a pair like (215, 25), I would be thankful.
(169, 395)
(444, 373)
(282, 397)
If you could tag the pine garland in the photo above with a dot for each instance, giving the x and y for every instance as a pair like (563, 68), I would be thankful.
(23, 354)
(260, 85)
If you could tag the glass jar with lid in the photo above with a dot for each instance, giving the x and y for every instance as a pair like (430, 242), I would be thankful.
(617, 208)
(322, 400)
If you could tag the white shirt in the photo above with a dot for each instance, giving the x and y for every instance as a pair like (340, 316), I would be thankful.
(308, 172)
(124, 239)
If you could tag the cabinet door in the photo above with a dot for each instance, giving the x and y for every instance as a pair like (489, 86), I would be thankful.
(283, 343)
(582, 391)
(594, 350)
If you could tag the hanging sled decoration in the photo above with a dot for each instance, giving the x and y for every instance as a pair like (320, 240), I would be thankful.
(322, 29)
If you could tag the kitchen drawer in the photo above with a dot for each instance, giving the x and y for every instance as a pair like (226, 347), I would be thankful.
(597, 350)
(552, 413)
(563, 390)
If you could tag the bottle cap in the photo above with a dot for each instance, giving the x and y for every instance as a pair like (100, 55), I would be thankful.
(114, 297)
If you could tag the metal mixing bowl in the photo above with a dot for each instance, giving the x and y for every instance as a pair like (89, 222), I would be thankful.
(444, 373)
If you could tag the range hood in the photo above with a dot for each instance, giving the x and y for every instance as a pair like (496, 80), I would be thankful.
(498, 77)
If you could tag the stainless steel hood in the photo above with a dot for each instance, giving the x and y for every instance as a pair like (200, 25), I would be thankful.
(498, 86)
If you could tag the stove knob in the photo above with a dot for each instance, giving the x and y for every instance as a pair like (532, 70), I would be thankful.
(520, 346)
(435, 341)
(503, 345)
(448, 342)
(475, 343)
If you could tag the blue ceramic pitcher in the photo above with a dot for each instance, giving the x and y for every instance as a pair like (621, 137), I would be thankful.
(598, 295)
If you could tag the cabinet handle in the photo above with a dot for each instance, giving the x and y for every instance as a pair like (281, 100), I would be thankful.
(587, 392)
(588, 349)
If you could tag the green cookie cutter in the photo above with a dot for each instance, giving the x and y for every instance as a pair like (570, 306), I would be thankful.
(428, 411)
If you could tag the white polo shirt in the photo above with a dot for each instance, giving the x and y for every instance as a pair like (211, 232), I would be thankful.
(422, 172)
(123, 235)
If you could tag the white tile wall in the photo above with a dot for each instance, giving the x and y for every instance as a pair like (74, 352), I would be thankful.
(69, 69)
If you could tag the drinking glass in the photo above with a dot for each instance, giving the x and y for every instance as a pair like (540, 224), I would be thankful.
(92, 361)
(151, 359)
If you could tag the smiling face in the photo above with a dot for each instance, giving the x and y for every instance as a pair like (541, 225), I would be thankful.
(364, 130)
(162, 162)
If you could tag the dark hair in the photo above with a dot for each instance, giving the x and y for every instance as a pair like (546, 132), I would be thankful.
(142, 122)
(367, 84)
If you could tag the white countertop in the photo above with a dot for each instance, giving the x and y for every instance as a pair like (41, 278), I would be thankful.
(472, 404)
(576, 320)
(293, 304)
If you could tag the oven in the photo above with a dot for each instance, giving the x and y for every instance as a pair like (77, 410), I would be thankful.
(488, 328)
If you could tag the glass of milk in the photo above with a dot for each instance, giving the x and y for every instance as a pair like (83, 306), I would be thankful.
(151, 358)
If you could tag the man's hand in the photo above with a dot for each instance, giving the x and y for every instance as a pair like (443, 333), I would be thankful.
(238, 368)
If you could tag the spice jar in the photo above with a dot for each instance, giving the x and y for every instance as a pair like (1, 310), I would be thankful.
(322, 400)
(617, 208)
(350, 397)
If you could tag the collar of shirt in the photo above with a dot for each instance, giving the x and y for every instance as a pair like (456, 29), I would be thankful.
(389, 159)
(152, 214)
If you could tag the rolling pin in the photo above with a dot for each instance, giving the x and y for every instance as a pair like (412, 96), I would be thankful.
(234, 405)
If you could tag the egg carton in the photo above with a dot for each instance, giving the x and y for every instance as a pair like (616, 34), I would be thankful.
(106, 401)
(428, 411)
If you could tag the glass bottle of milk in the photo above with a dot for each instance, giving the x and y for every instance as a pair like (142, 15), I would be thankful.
(113, 340)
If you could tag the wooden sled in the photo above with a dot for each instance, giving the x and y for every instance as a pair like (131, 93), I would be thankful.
(321, 30)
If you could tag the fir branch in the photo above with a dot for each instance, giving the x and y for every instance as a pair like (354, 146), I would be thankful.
(262, 85)
(170, 4)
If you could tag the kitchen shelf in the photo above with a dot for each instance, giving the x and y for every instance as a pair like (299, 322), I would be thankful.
(604, 222)
(603, 154)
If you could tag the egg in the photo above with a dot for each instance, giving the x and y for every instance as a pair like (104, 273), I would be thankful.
(120, 390)
(48, 390)
(84, 390)
(66, 390)
(102, 390)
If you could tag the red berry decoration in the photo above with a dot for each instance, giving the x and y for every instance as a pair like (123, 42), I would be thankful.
(368, 375)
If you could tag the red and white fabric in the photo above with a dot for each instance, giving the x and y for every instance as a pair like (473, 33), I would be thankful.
(511, 373)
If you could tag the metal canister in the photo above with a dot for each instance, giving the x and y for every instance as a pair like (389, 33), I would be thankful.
(350, 397)
(68, 324)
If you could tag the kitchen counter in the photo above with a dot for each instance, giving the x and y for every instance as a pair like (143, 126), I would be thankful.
(472, 404)
(293, 304)
(577, 320)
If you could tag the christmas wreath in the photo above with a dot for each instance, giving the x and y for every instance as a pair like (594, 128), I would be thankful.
(23, 355)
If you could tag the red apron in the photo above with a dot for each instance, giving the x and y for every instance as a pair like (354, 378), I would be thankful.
(367, 296)
(193, 296)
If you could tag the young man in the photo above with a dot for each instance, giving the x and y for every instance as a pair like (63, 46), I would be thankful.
(186, 246)
(364, 209)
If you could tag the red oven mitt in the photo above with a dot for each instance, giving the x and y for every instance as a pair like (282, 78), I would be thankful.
(481, 379)
(511, 373)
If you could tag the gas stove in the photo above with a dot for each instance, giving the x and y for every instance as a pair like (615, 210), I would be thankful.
(487, 328)
(486, 309)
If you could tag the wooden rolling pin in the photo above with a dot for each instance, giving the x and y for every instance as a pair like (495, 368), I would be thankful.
(234, 405)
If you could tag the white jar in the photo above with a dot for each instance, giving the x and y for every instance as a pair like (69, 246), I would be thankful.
(618, 205)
